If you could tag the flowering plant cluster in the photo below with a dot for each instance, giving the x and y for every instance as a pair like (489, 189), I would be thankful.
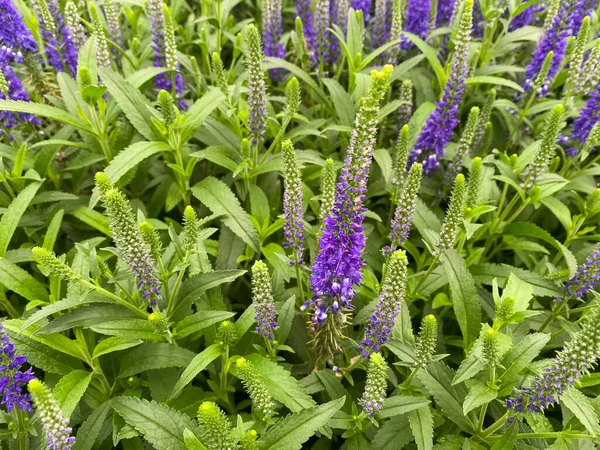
(299, 224)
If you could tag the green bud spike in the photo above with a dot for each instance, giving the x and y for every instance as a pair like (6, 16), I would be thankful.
(591, 70)
(104, 269)
(328, 180)
(541, 77)
(491, 350)
(475, 179)
(506, 308)
(293, 98)
(302, 50)
(401, 153)
(426, 341)
(56, 266)
(262, 402)
(454, 216)
(484, 117)
(171, 61)
(396, 30)
(159, 322)
(102, 53)
(245, 149)
(216, 431)
(249, 441)
(576, 73)
(151, 238)
(103, 183)
(167, 107)
(221, 77)
(84, 78)
(465, 144)
(226, 333)
(543, 157)
(3, 84)
(592, 139)
(376, 385)
(190, 228)
(56, 425)
(196, 74)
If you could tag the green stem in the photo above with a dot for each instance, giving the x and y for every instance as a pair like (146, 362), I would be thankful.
(299, 277)
(495, 426)
(23, 437)
(116, 298)
(554, 435)
(432, 266)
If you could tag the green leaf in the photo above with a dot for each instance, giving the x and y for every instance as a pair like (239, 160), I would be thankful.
(90, 430)
(162, 426)
(437, 378)
(198, 364)
(194, 287)
(342, 102)
(12, 215)
(487, 272)
(142, 76)
(128, 328)
(393, 435)
(281, 384)
(192, 442)
(70, 389)
(582, 407)
(15, 279)
(92, 218)
(421, 424)
(498, 81)
(560, 211)
(519, 357)
(200, 111)
(219, 198)
(131, 101)
(199, 321)
(59, 306)
(133, 155)
(464, 296)
(520, 290)
(397, 405)
(479, 394)
(41, 110)
(295, 429)
(156, 355)
(114, 344)
(431, 56)
(87, 316)
(508, 441)
(285, 317)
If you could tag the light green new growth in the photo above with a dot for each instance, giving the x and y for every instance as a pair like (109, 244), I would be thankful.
(491, 349)
(401, 153)
(505, 308)
(56, 266)
(249, 441)
(544, 155)
(84, 78)
(328, 180)
(262, 401)
(190, 228)
(151, 238)
(167, 107)
(426, 341)
(171, 61)
(226, 333)
(454, 216)
(159, 322)
(293, 98)
(474, 187)
(196, 73)
(576, 73)
(216, 431)
(220, 76)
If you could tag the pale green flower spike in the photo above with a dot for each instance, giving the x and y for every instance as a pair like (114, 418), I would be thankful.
(401, 153)
(454, 216)
(262, 401)
(249, 441)
(159, 322)
(3, 84)
(541, 163)
(215, 428)
(167, 107)
(220, 76)
(171, 61)
(226, 333)
(490, 349)
(474, 187)
(464, 146)
(151, 238)
(426, 341)
(376, 385)
(190, 228)
(56, 266)
(293, 98)
(484, 117)
(505, 309)
(84, 78)
(396, 30)
(328, 181)
(102, 53)
(576, 69)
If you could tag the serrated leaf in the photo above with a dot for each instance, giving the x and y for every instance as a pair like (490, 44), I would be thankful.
(59, 306)
(90, 430)
(194, 287)
(281, 384)
(421, 424)
(285, 317)
(295, 429)
(87, 316)
(464, 296)
(12, 215)
(162, 426)
(438, 381)
(520, 290)
(157, 355)
(128, 328)
(397, 405)
(581, 406)
(114, 344)
(200, 111)
(498, 81)
(199, 321)
(520, 356)
(479, 394)
(15, 279)
(487, 272)
(197, 365)
(508, 440)
(132, 102)
(219, 198)
(342, 102)
(192, 442)
(133, 155)
(69, 390)
(41, 110)
(393, 435)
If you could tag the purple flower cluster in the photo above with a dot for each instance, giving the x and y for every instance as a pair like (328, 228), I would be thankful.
(586, 277)
(445, 11)
(272, 29)
(588, 117)
(554, 40)
(304, 12)
(15, 42)
(417, 20)
(365, 7)
(381, 23)
(523, 19)
(381, 322)
(438, 129)
(12, 378)
(573, 361)
(337, 268)
(322, 21)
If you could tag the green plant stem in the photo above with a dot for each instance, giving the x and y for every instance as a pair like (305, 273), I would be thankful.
(22, 432)
(299, 277)
(411, 376)
(494, 427)
(114, 297)
(431, 268)
(554, 435)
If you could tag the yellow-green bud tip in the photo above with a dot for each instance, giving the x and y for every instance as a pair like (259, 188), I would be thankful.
(34, 385)
(252, 433)
(241, 362)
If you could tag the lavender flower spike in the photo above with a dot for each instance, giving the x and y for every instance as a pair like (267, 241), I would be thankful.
(262, 299)
(126, 235)
(382, 320)
(12, 378)
(257, 91)
(322, 21)
(588, 117)
(586, 277)
(337, 268)
(376, 385)
(365, 7)
(381, 25)
(571, 363)
(440, 124)
(304, 12)
(272, 28)
(407, 203)
(292, 202)
(56, 425)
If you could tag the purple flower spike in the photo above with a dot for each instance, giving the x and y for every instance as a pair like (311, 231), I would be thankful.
(12, 378)
(588, 117)
(365, 7)
(417, 20)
